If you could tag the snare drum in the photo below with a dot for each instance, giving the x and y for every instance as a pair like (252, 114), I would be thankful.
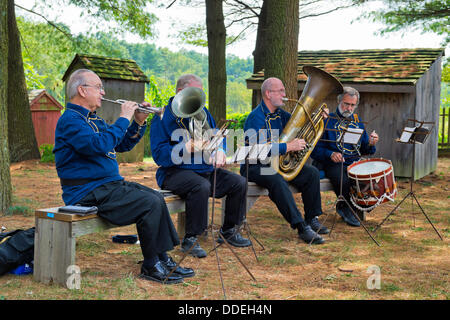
(372, 182)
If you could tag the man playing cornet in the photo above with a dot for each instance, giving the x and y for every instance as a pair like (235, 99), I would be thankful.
(85, 156)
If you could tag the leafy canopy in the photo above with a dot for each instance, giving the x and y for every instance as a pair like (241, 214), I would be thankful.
(402, 15)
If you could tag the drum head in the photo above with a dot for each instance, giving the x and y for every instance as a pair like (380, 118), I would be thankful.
(370, 167)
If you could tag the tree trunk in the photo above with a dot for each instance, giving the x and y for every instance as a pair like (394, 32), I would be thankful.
(282, 44)
(259, 54)
(217, 74)
(5, 177)
(22, 140)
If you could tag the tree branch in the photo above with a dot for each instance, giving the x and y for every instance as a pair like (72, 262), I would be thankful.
(171, 4)
(246, 6)
(323, 13)
(68, 35)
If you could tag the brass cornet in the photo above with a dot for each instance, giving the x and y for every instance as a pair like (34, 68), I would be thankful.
(141, 108)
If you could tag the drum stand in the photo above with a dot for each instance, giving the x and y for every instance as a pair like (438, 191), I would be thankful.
(415, 136)
(348, 137)
(341, 198)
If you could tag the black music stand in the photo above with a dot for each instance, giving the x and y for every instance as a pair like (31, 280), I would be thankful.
(244, 155)
(212, 147)
(417, 134)
(349, 136)
(215, 146)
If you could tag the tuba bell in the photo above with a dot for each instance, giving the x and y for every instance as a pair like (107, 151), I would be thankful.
(189, 103)
(306, 121)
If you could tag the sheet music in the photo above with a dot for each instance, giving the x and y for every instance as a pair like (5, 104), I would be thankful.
(407, 134)
(352, 135)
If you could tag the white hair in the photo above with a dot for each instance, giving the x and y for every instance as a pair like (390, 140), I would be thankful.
(76, 79)
(351, 92)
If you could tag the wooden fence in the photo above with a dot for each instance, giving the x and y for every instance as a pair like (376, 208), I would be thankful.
(444, 129)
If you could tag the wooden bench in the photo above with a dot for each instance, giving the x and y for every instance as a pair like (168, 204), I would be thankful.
(56, 232)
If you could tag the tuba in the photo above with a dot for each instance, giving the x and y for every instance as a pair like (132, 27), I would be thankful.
(306, 121)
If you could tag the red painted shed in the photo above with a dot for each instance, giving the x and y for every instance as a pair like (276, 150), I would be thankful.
(45, 112)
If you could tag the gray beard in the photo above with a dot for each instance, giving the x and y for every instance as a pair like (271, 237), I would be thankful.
(345, 114)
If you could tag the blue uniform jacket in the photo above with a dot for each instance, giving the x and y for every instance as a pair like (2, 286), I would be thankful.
(85, 148)
(168, 147)
(323, 150)
(262, 126)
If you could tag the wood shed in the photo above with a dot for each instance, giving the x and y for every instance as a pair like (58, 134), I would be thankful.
(122, 79)
(395, 85)
(45, 112)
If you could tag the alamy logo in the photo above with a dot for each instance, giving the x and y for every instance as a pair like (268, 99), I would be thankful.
(374, 280)
(74, 279)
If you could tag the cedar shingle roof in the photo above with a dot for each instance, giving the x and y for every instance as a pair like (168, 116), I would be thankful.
(108, 68)
(377, 66)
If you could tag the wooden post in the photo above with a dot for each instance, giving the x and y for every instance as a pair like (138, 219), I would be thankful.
(54, 252)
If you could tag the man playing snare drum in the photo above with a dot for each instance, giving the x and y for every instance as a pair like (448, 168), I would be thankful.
(329, 154)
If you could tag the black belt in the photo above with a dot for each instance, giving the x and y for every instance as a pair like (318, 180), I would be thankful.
(74, 182)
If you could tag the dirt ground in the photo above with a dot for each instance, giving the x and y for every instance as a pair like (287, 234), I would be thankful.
(413, 263)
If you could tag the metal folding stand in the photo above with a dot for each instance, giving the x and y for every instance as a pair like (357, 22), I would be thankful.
(413, 136)
(244, 225)
(215, 247)
(213, 148)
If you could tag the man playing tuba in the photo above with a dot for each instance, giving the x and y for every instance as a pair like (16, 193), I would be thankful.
(268, 120)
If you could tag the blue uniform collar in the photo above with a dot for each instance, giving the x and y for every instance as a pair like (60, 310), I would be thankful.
(266, 111)
(82, 110)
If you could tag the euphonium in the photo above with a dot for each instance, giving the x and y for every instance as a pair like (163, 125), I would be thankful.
(306, 121)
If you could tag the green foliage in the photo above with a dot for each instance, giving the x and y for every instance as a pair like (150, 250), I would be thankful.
(47, 154)
(48, 52)
(18, 210)
(128, 16)
(33, 79)
(240, 118)
(426, 15)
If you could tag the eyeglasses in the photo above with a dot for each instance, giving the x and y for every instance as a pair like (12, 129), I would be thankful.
(98, 87)
(279, 90)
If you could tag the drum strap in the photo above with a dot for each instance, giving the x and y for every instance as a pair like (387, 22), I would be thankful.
(355, 116)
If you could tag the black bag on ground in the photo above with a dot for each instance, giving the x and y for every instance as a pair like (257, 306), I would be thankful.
(16, 248)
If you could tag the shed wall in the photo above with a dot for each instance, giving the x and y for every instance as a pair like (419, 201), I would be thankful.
(428, 92)
(44, 123)
(110, 112)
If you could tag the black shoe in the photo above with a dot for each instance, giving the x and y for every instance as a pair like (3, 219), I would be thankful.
(196, 251)
(347, 215)
(234, 237)
(308, 235)
(317, 227)
(183, 272)
(158, 273)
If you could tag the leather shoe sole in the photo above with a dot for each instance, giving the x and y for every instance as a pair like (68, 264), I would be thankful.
(157, 279)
